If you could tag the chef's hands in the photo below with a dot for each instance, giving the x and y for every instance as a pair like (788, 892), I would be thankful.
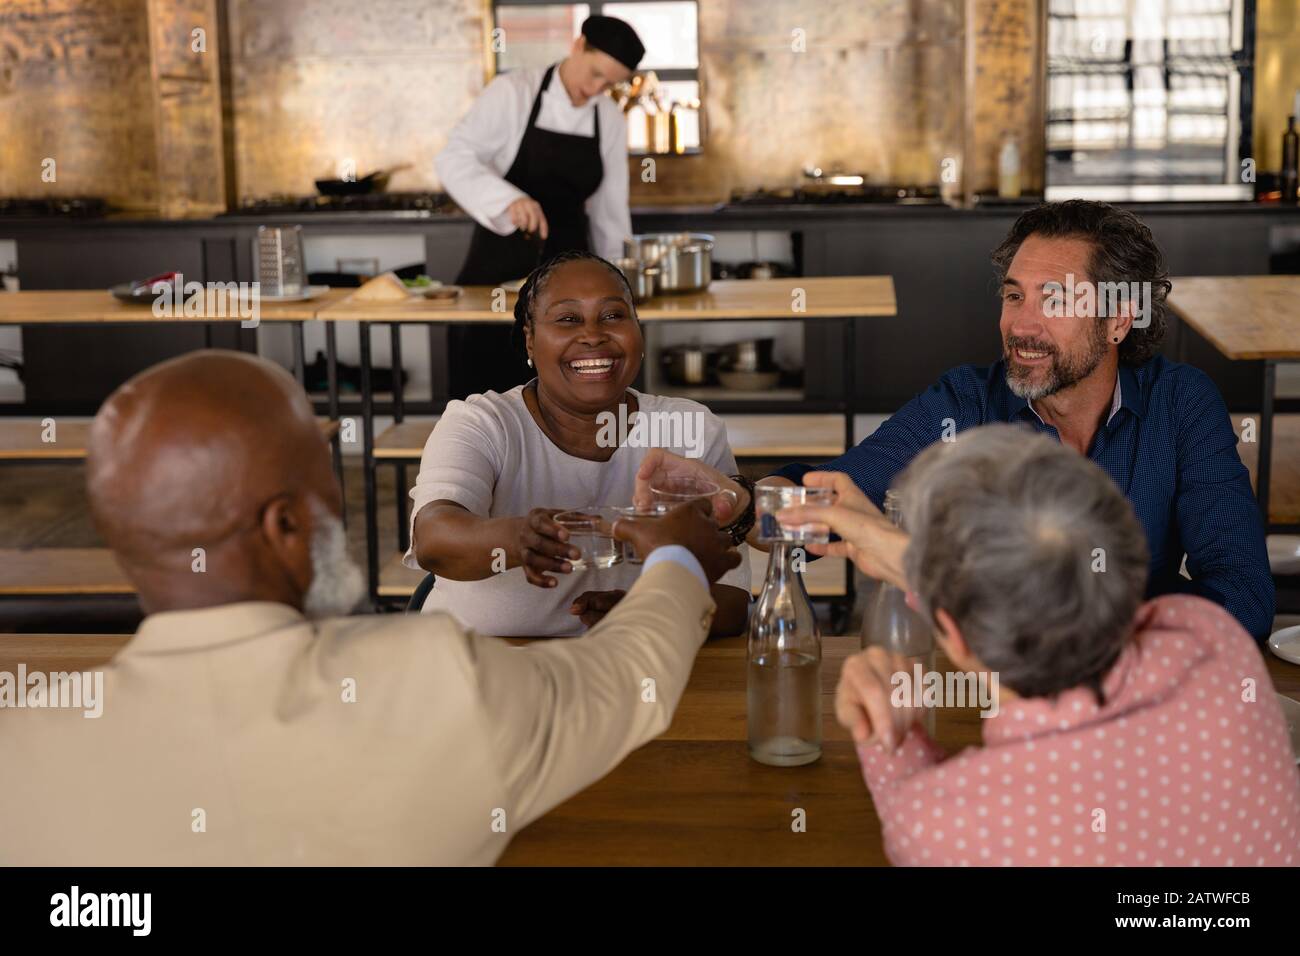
(591, 606)
(689, 525)
(659, 466)
(862, 699)
(542, 545)
(527, 215)
(868, 538)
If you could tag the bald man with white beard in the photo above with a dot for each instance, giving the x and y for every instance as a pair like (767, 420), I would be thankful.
(246, 722)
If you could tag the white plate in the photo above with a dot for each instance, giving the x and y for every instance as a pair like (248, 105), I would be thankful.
(1286, 644)
(308, 292)
(1291, 711)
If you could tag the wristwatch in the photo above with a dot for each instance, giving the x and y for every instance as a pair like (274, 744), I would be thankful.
(739, 529)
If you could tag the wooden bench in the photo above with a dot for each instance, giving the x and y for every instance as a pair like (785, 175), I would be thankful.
(57, 572)
(23, 439)
(751, 436)
(1284, 486)
(58, 652)
(824, 578)
(405, 440)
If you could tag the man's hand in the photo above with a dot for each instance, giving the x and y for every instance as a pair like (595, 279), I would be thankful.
(868, 538)
(862, 704)
(526, 213)
(689, 525)
(542, 545)
(660, 466)
(591, 606)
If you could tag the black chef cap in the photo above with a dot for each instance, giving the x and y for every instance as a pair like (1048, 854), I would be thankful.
(615, 37)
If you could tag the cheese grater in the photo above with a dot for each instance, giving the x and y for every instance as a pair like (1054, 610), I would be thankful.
(279, 260)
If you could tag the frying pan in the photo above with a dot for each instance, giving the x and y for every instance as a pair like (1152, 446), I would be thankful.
(375, 182)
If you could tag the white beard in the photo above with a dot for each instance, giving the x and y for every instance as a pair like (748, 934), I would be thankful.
(337, 583)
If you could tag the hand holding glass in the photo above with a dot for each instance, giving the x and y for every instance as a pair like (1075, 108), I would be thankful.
(769, 500)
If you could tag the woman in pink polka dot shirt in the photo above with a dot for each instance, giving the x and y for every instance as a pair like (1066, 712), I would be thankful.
(1125, 733)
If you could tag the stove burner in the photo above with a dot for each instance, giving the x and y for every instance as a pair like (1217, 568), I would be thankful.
(839, 195)
(71, 207)
(423, 204)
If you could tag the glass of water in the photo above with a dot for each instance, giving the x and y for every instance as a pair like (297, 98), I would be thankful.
(633, 513)
(671, 492)
(591, 531)
(770, 499)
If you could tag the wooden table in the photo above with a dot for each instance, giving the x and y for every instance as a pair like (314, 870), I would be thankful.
(692, 796)
(97, 306)
(89, 306)
(725, 299)
(1248, 318)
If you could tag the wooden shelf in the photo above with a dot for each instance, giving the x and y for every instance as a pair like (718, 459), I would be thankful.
(716, 393)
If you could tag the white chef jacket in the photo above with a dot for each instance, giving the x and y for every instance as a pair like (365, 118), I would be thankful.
(483, 145)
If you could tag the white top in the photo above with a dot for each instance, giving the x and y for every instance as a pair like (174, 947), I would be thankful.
(488, 455)
(483, 145)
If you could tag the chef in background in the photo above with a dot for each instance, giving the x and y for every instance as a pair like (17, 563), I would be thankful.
(540, 163)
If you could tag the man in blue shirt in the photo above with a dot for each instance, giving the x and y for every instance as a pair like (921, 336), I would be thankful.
(1083, 314)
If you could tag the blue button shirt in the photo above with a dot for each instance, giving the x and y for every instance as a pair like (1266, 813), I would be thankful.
(1169, 446)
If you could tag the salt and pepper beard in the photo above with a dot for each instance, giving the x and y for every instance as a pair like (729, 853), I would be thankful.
(1060, 374)
(337, 583)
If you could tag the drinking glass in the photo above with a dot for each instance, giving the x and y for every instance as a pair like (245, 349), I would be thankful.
(633, 513)
(671, 492)
(591, 531)
(770, 499)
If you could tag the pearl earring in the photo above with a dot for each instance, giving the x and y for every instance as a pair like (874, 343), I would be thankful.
(530, 361)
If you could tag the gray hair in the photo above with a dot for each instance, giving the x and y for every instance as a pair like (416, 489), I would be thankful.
(1010, 533)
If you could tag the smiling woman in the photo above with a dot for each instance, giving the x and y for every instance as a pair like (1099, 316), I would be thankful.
(499, 466)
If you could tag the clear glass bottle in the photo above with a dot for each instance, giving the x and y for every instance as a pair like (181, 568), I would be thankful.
(891, 624)
(785, 656)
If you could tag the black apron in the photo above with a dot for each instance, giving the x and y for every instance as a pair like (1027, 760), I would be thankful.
(560, 171)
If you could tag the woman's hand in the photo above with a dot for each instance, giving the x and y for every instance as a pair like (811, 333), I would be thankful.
(591, 606)
(660, 466)
(862, 698)
(542, 545)
(868, 538)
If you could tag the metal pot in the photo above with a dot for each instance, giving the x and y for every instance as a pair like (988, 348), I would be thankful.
(685, 259)
(752, 355)
(686, 364)
(642, 277)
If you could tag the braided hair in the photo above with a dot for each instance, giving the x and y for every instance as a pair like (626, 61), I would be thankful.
(536, 282)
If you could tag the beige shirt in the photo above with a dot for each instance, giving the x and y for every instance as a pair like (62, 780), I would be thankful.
(235, 718)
